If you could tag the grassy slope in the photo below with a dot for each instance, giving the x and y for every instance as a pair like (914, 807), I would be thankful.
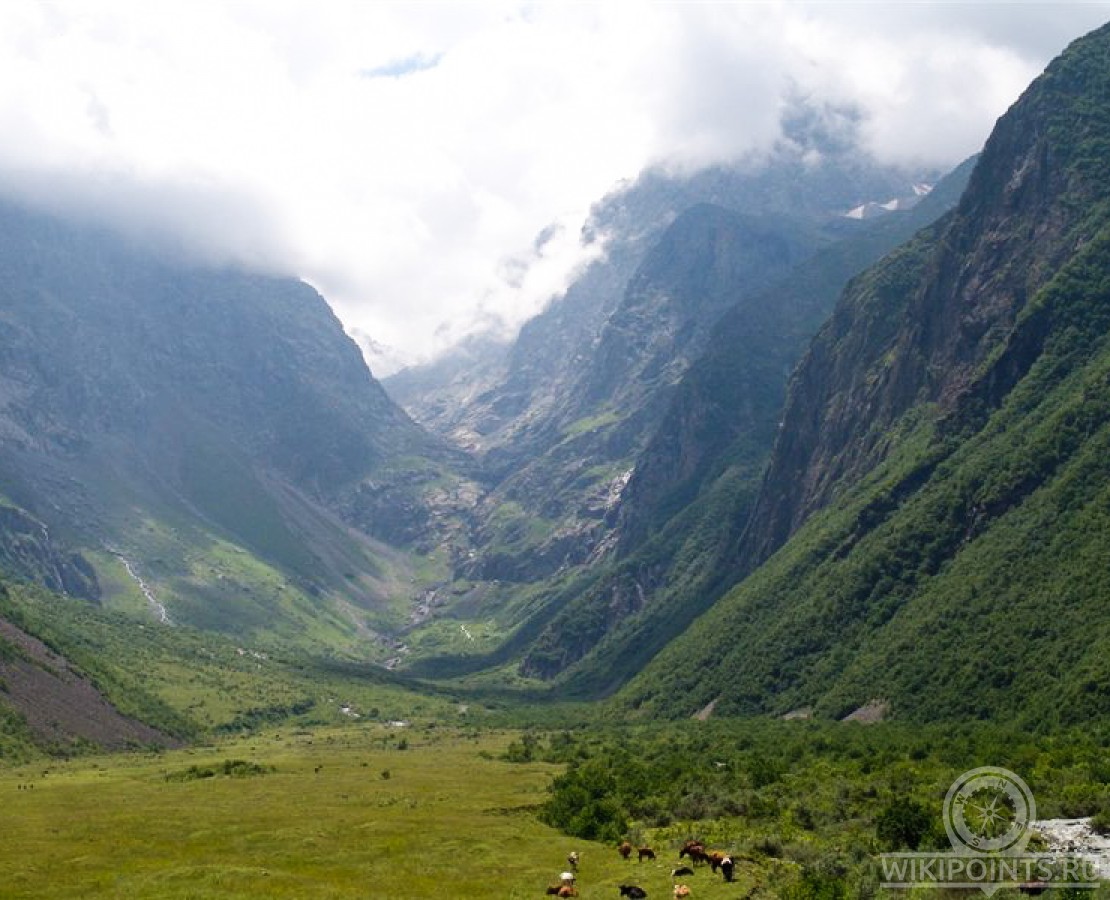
(207, 578)
(189, 683)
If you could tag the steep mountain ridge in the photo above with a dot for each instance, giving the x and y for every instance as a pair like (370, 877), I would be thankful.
(692, 488)
(736, 386)
(934, 515)
(548, 354)
(588, 441)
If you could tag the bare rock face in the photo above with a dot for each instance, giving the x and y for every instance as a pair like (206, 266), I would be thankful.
(1074, 837)
(28, 552)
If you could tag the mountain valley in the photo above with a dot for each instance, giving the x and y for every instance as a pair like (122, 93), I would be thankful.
(806, 438)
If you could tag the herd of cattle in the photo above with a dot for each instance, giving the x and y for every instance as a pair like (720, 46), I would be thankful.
(695, 851)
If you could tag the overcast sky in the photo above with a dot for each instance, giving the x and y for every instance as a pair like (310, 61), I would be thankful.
(397, 155)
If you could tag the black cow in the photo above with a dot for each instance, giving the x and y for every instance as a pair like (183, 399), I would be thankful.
(631, 890)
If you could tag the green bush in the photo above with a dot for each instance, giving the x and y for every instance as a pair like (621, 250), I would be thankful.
(816, 886)
(903, 824)
(584, 803)
(232, 768)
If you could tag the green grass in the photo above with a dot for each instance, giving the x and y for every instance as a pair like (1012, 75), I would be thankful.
(428, 810)
(192, 683)
(117, 828)
(119, 591)
(450, 820)
(511, 525)
(590, 423)
(444, 635)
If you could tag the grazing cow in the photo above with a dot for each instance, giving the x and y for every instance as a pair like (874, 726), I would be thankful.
(680, 871)
(695, 850)
(715, 857)
(645, 853)
(572, 860)
(631, 890)
(625, 849)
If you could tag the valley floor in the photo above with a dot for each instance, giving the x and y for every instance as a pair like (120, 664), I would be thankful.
(371, 811)
(426, 810)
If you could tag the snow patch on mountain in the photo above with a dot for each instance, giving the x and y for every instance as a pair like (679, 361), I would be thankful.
(873, 208)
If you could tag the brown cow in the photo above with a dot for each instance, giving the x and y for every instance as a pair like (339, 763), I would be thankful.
(695, 850)
(645, 853)
(625, 849)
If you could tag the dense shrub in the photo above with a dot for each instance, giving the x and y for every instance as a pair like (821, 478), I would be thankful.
(903, 824)
(584, 803)
(233, 768)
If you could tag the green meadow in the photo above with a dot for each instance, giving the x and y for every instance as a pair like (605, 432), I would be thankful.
(355, 811)
(424, 809)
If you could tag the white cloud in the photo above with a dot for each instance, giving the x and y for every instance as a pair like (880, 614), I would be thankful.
(403, 156)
